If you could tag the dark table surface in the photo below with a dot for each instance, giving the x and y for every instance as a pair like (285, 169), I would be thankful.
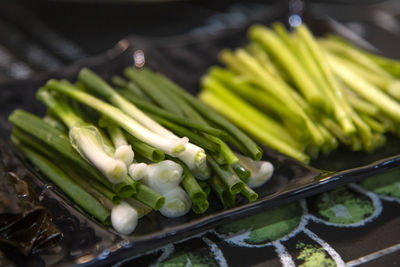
(353, 225)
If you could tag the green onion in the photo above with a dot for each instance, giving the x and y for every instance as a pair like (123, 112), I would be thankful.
(149, 197)
(234, 184)
(59, 142)
(201, 108)
(249, 193)
(168, 145)
(200, 208)
(124, 218)
(177, 203)
(145, 150)
(187, 122)
(71, 189)
(192, 187)
(223, 193)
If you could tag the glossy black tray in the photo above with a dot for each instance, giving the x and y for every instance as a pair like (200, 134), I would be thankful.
(184, 59)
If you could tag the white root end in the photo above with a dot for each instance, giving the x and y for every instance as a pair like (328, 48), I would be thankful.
(177, 203)
(263, 173)
(163, 176)
(115, 171)
(89, 144)
(124, 218)
(193, 156)
(124, 153)
(178, 146)
(137, 171)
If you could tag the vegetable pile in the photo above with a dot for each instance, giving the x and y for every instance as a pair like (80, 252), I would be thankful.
(143, 144)
(302, 95)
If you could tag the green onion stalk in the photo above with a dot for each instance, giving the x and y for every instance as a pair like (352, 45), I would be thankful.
(85, 138)
(168, 145)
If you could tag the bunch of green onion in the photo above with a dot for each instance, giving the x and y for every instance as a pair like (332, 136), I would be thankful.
(302, 95)
(144, 144)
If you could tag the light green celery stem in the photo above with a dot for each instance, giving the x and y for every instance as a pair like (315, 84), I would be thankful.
(264, 60)
(252, 148)
(148, 196)
(375, 125)
(145, 150)
(309, 63)
(386, 83)
(88, 184)
(186, 122)
(311, 117)
(331, 141)
(366, 90)
(336, 130)
(250, 69)
(226, 197)
(232, 181)
(249, 193)
(379, 140)
(86, 201)
(335, 95)
(275, 87)
(150, 88)
(274, 45)
(391, 66)
(227, 57)
(356, 143)
(254, 129)
(255, 96)
(201, 207)
(248, 111)
(191, 186)
(389, 124)
(286, 37)
(130, 86)
(167, 145)
(193, 136)
(361, 105)
(350, 52)
(363, 130)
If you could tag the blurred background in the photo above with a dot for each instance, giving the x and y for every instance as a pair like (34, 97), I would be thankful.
(45, 36)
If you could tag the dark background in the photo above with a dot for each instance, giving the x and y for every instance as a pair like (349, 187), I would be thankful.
(44, 36)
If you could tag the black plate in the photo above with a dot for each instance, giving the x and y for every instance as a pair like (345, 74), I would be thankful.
(183, 59)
